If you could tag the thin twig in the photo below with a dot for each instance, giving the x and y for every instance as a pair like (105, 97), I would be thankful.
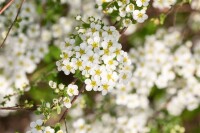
(18, 108)
(74, 81)
(12, 24)
(66, 125)
(73, 100)
(123, 30)
(6, 6)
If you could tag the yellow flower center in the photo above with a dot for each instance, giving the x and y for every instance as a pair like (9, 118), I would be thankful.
(68, 67)
(140, 15)
(110, 44)
(94, 44)
(82, 51)
(124, 76)
(117, 52)
(93, 30)
(105, 87)
(79, 63)
(110, 62)
(106, 51)
(91, 59)
(109, 76)
(66, 55)
(98, 72)
(87, 68)
(93, 83)
(131, 6)
(71, 90)
(109, 32)
(38, 127)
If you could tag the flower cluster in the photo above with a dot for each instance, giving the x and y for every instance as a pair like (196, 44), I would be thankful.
(65, 25)
(161, 62)
(168, 63)
(38, 127)
(64, 97)
(24, 48)
(124, 120)
(96, 54)
(126, 10)
(64, 93)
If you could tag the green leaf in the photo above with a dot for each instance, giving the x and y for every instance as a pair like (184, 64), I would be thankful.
(58, 108)
(19, 20)
(162, 18)
(17, 25)
(57, 127)
(85, 25)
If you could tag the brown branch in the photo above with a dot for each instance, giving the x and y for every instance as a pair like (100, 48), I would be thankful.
(66, 126)
(74, 81)
(18, 108)
(6, 6)
(123, 30)
(73, 100)
(12, 24)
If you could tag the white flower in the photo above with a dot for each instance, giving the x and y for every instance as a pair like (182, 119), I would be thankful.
(72, 90)
(36, 127)
(68, 67)
(81, 126)
(122, 12)
(98, 56)
(52, 84)
(162, 4)
(92, 84)
(60, 131)
(105, 88)
(110, 63)
(142, 3)
(140, 16)
(33, 31)
(77, 63)
(130, 8)
(48, 129)
(57, 30)
(61, 86)
(127, 22)
(67, 102)
(66, 55)
(78, 17)
(94, 42)
(46, 35)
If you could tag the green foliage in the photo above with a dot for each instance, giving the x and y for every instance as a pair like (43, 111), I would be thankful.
(53, 54)
(162, 18)
(138, 37)
(79, 76)
(164, 125)
(57, 127)
(41, 92)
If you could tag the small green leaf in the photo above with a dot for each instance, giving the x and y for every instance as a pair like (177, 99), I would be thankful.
(58, 108)
(57, 127)
(162, 18)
